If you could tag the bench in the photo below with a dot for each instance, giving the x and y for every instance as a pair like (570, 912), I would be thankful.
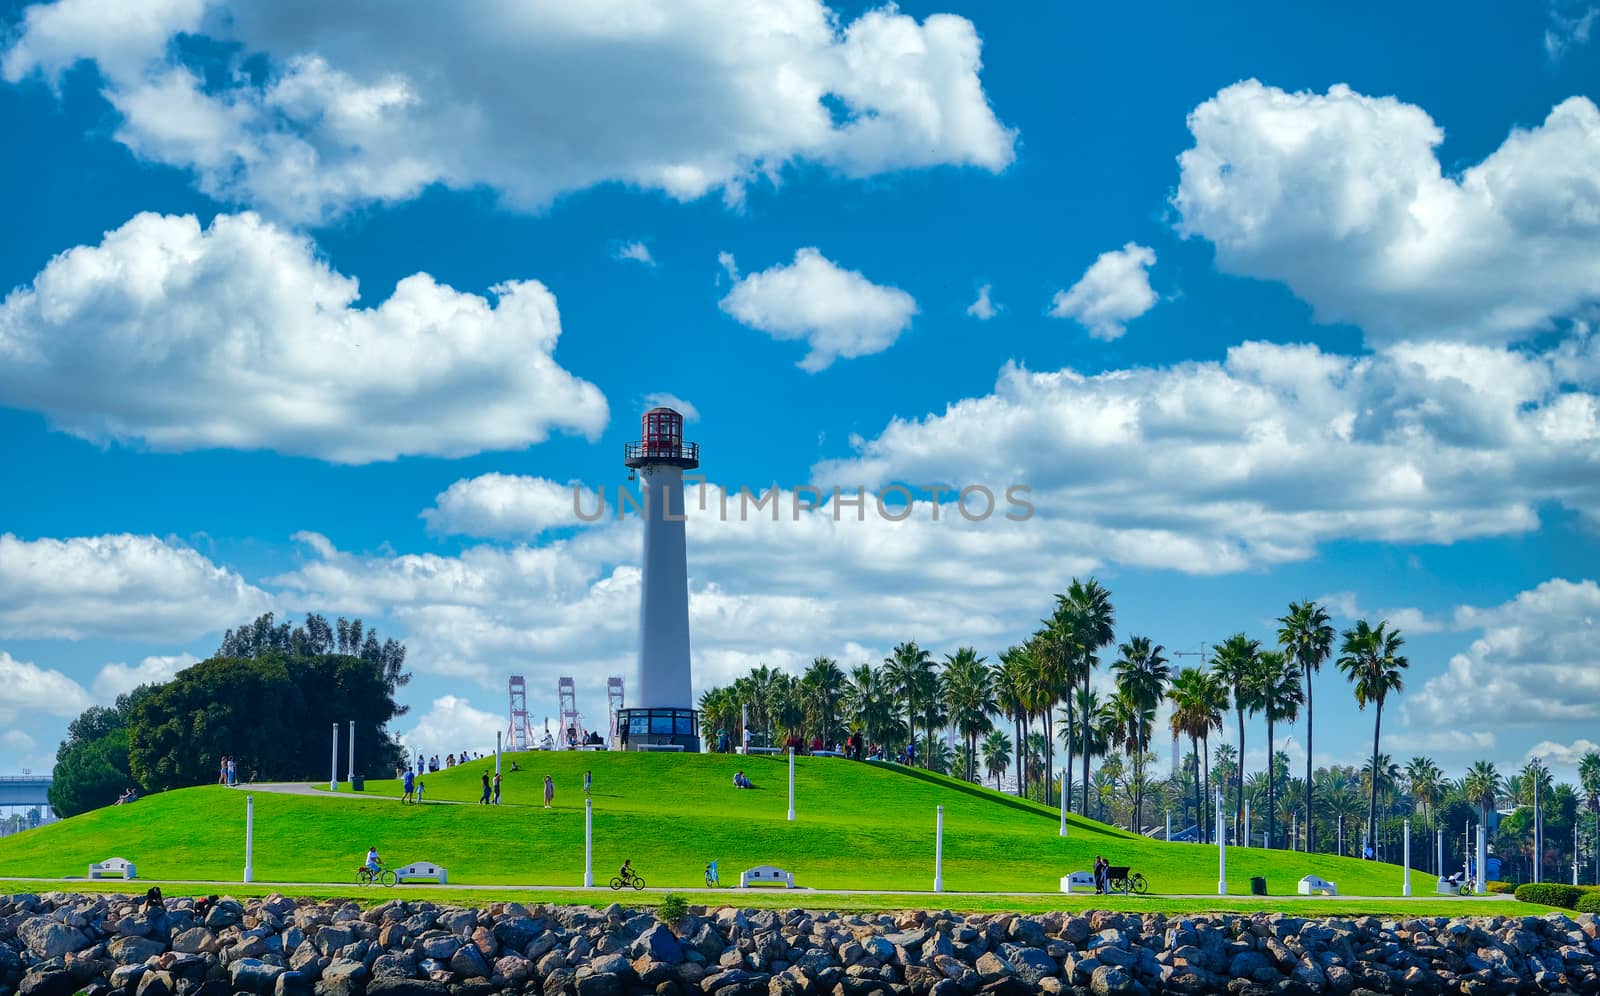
(827, 753)
(765, 875)
(121, 867)
(419, 870)
(1077, 880)
(660, 747)
(763, 750)
(1311, 885)
(1447, 887)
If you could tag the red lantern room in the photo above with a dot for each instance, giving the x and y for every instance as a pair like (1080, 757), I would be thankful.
(662, 429)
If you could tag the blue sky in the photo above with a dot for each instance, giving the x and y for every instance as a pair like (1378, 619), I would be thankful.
(1280, 305)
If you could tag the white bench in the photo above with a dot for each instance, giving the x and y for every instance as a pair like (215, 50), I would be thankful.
(827, 753)
(419, 870)
(1447, 887)
(121, 867)
(660, 747)
(763, 750)
(1077, 880)
(765, 875)
(1311, 885)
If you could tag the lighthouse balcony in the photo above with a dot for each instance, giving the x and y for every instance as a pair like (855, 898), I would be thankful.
(657, 727)
(672, 453)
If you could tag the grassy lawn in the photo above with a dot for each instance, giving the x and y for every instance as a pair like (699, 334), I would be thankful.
(859, 826)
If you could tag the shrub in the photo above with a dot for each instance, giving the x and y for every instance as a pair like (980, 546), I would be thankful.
(672, 909)
(1500, 888)
(1590, 903)
(1550, 894)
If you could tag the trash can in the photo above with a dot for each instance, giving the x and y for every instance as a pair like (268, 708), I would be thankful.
(1258, 885)
(358, 783)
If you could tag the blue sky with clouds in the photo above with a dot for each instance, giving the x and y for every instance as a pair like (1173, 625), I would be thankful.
(315, 309)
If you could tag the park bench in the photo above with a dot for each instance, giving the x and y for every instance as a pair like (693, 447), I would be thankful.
(1448, 887)
(1077, 880)
(763, 750)
(766, 875)
(121, 867)
(669, 747)
(827, 753)
(1311, 885)
(419, 870)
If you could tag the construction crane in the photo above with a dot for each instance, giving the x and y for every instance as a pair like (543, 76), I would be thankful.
(519, 734)
(614, 700)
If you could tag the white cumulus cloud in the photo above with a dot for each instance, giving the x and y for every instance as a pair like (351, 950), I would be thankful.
(452, 724)
(339, 107)
(1341, 197)
(638, 252)
(1113, 291)
(117, 586)
(116, 678)
(509, 505)
(31, 690)
(838, 312)
(661, 399)
(237, 335)
(983, 308)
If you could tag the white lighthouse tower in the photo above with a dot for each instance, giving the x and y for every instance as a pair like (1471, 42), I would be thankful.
(665, 713)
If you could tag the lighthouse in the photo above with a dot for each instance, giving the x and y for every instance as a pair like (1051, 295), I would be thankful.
(665, 713)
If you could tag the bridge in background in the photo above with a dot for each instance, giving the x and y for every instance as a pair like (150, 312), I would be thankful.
(24, 790)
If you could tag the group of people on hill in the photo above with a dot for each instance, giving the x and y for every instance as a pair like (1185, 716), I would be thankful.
(855, 747)
(227, 772)
(127, 796)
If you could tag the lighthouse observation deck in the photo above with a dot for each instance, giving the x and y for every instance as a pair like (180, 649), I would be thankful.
(662, 443)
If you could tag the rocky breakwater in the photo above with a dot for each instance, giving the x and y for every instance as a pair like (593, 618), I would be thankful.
(60, 944)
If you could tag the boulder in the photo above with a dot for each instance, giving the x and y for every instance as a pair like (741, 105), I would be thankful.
(658, 944)
(134, 949)
(406, 987)
(251, 975)
(46, 938)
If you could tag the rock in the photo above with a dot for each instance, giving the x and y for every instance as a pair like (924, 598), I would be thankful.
(251, 975)
(195, 940)
(292, 984)
(155, 984)
(331, 940)
(1033, 965)
(224, 913)
(1109, 980)
(406, 987)
(514, 969)
(394, 965)
(517, 932)
(991, 967)
(468, 963)
(48, 982)
(46, 938)
(127, 976)
(134, 949)
(659, 944)
(599, 984)
(437, 945)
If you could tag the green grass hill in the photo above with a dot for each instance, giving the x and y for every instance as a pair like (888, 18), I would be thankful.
(859, 826)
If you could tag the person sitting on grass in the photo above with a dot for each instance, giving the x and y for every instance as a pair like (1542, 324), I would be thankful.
(740, 781)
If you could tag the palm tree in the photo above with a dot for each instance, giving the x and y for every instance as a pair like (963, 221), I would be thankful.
(1482, 786)
(908, 668)
(869, 702)
(967, 686)
(1281, 695)
(1142, 675)
(1370, 658)
(1425, 783)
(822, 685)
(996, 755)
(1589, 778)
(1052, 652)
(1306, 636)
(1191, 717)
(1236, 662)
(1011, 695)
(1093, 624)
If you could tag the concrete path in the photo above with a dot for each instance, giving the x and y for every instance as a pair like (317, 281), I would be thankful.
(302, 788)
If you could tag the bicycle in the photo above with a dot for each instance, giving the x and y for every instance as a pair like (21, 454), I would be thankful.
(618, 882)
(1124, 880)
(712, 881)
(383, 876)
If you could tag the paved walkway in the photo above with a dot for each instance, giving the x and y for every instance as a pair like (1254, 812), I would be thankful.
(303, 788)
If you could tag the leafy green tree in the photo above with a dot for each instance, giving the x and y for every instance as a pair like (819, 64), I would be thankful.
(92, 763)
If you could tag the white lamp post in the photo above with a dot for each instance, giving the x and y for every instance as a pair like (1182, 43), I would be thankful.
(1483, 860)
(791, 784)
(1222, 850)
(333, 779)
(938, 850)
(1405, 889)
(588, 843)
(249, 837)
(497, 736)
(351, 771)
(1063, 804)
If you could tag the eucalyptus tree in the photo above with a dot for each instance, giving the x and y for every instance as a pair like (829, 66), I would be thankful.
(1306, 635)
(1370, 658)
(1281, 695)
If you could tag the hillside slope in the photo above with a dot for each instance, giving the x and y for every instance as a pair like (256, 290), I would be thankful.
(859, 826)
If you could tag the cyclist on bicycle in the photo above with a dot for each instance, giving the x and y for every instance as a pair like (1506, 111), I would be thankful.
(374, 863)
(626, 872)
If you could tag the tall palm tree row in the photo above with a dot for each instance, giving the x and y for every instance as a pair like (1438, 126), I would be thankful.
(1086, 611)
(1237, 662)
(1281, 695)
(1370, 658)
(1306, 635)
(1142, 674)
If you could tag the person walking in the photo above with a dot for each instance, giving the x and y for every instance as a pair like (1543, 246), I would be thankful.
(410, 786)
(484, 801)
(497, 788)
(222, 771)
(549, 791)
(588, 781)
(233, 776)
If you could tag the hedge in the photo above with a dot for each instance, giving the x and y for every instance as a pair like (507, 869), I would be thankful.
(1551, 894)
(1590, 903)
